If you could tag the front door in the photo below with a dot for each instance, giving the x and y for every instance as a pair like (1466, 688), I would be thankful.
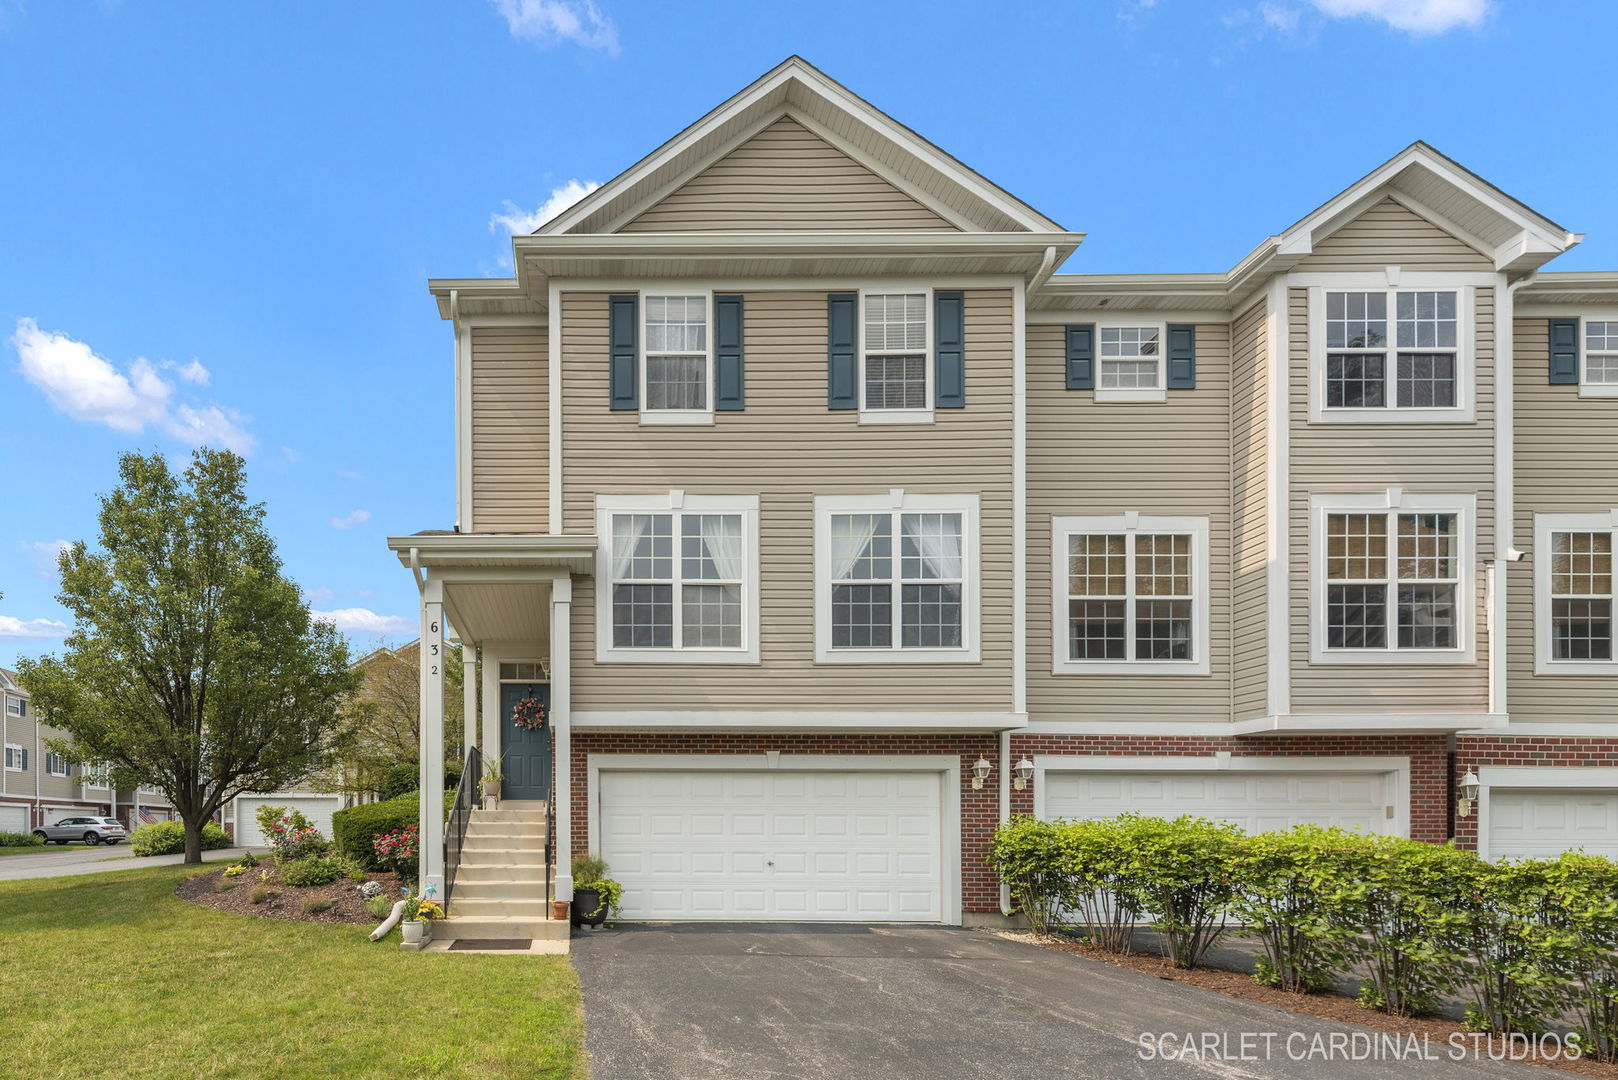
(526, 755)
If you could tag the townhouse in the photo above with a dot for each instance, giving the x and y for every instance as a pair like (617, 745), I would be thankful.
(38, 785)
(831, 526)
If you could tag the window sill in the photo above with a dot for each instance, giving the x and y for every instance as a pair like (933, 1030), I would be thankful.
(1598, 390)
(1393, 416)
(661, 417)
(683, 656)
(1147, 396)
(897, 656)
(896, 416)
(1597, 668)
(1394, 657)
(1137, 668)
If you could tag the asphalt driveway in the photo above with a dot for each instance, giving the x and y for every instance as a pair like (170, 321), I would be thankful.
(72, 861)
(734, 1002)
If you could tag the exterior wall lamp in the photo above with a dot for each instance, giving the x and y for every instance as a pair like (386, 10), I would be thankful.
(980, 773)
(1469, 793)
(1022, 774)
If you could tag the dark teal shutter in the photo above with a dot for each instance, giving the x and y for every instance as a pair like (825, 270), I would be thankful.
(842, 354)
(1081, 357)
(1564, 334)
(623, 377)
(729, 392)
(1182, 356)
(949, 349)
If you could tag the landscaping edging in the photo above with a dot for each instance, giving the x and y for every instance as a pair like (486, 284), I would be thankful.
(1325, 1005)
(348, 906)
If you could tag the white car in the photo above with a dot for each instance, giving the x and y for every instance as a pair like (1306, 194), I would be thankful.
(90, 830)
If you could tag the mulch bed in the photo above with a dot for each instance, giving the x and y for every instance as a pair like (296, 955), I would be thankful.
(1325, 1006)
(348, 906)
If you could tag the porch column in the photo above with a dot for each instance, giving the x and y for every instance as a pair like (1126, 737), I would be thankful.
(562, 728)
(469, 697)
(431, 824)
(492, 750)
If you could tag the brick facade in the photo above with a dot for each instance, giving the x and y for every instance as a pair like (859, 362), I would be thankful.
(1474, 752)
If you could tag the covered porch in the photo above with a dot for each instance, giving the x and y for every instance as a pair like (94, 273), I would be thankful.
(508, 600)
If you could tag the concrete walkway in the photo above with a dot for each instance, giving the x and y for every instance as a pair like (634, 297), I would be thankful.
(96, 860)
(773, 1002)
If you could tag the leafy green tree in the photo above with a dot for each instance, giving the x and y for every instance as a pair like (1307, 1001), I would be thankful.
(193, 666)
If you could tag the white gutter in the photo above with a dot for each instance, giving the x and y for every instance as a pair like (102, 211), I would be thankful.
(1005, 804)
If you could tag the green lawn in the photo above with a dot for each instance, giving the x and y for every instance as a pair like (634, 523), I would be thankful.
(113, 975)
(35, 849)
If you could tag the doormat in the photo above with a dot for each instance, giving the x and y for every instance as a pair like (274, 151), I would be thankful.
(492, 944)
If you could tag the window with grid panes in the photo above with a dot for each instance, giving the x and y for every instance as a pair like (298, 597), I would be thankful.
(1600, 353)
(1392, 579)
(1581, 595)
(905, 595)
(676, 353)
(895, 351)
(1417, 367)
(1131, 596)
(677, 580)
(1131, 358)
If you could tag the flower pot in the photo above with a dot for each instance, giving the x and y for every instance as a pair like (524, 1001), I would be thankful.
(414, 931)
(559, 910)
(588, 910)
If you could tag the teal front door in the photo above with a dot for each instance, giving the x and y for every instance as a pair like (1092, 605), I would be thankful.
(525, 755)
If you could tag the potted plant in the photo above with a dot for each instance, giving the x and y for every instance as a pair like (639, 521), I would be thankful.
(491, 785)
(419, 913)
(595, 895)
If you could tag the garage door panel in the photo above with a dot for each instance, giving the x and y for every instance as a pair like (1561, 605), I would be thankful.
(1256, 802)
(776, 845)
(1543, 824)
(14, 818)
(317, 808)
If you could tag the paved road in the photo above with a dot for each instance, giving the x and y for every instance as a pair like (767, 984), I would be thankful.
(728, 1002)
(69, 862)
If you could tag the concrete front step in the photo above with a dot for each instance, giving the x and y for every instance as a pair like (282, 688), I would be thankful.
(506, 835)
(506, 828)
(525, 816)
(472, 872)
(500, 928)
(511, 889)
(501, 855)
(467, 908)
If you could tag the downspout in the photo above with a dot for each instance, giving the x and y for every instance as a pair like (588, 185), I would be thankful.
(1047, 267)
(1005, 804)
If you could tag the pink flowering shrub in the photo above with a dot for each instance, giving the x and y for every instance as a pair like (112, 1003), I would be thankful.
(398, 850)
(292, 835)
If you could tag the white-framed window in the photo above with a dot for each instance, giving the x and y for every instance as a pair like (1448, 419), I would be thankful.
(55, 764)
(1599, 357)
(896, 371)
(1383, 352)
(1574, 593)
(677, 578)
(676, 370)
(16, 758)
(94, 776)
(16, 706)
(896, 578)
(523, 671)
(1129, 362)
(1392, 578)
(1129, 595)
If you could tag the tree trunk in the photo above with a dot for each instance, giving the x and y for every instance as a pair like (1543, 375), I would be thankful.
(193, 839)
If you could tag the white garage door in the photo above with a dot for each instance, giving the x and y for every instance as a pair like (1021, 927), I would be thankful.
(1256, 801)
(317, 808)
(13, 818)
(1535, 824)
(820, 846)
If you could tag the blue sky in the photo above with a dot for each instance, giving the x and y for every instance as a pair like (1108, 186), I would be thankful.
(216, 220)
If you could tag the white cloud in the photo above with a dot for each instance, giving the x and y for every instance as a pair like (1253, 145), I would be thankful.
(12, 627)
(1419, 17)
(552, 21)
(85, 386)
(317, 596)
(358, 620)
(46, 555)
(519, 222)
(1279, 17)
(353, 518)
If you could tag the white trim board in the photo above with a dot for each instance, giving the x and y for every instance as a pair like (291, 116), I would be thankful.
(948, 766)
(764, 721)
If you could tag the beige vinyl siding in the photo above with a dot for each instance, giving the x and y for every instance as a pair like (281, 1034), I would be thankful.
(1389, 234)
(1089, 459)
(21, 731)
(1567, 463)
(787, 448)
(1249, 501)
(786, 178)
(1438, 459)
(510, 410)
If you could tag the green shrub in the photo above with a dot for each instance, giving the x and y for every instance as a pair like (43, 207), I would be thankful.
(1029, 858)
(354, 831)
(1280, 874)
(315, 870)
(261, 893)
(247, 861)
(20, 839)
(168, 838)
(316, 904)
(400, 780)
(1514, 988)
(588, 867)
(380, 906)
(1575, 942)
(1182, 871)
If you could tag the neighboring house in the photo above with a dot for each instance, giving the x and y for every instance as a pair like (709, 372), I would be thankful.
(801, 485)
(38, 785)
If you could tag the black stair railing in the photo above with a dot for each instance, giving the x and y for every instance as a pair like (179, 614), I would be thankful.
(460, 815)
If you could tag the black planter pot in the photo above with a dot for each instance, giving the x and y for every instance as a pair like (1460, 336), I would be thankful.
(588, 910)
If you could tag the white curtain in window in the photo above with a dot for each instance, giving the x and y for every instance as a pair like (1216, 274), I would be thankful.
(719, 547)
(933, 541)
(627, 532)
(853, 537)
